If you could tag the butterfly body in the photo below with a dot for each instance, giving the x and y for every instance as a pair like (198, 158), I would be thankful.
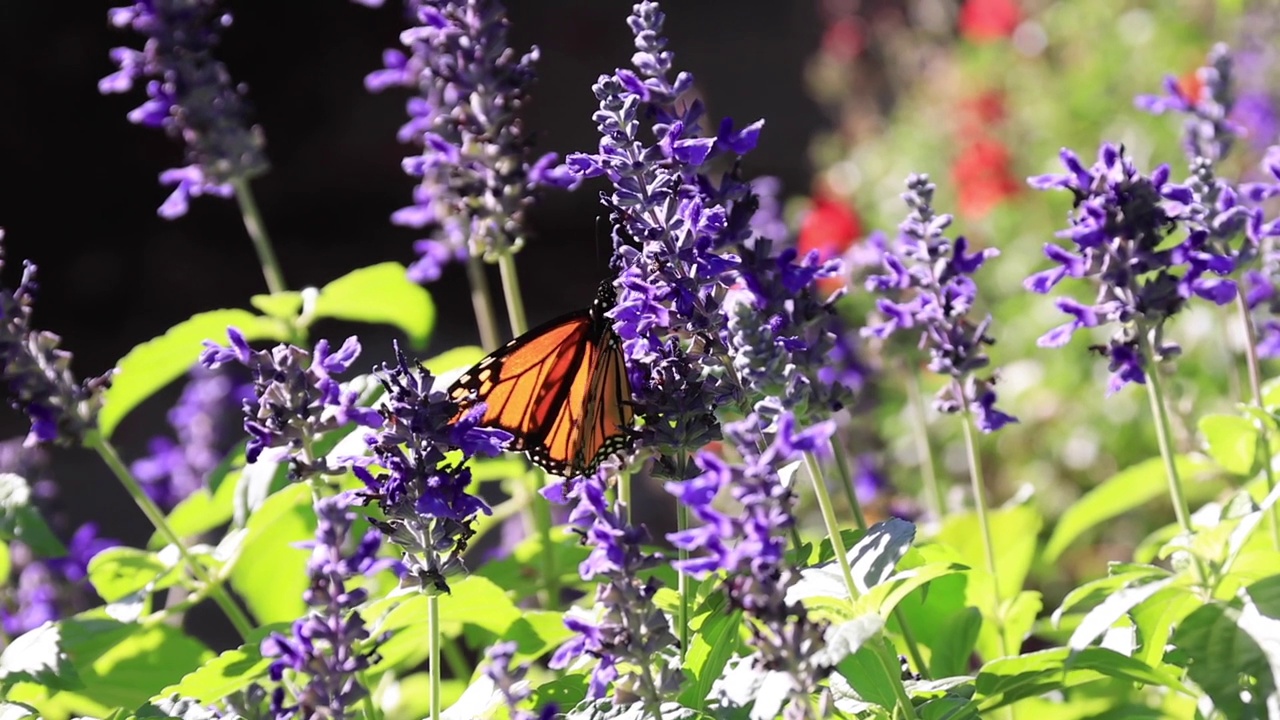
(560, 389)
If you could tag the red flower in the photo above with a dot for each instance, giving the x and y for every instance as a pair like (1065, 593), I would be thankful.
(831, 227)
(987, 20)
(983, 177)
(843, 40)
(980, 112)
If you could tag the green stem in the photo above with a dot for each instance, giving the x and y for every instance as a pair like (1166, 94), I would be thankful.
(1255, 390)
(258, 236)
(846, 482)
(829, 519)
(889, 661)
(924, 450)
(1155, 393)
(683, 586)
(511, 291)
(846, 477)
(216, 591)
(371, 711)
(482, 304)
(433, 650)
(979, 486)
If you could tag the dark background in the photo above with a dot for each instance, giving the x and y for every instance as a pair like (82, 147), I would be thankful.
(80, 182)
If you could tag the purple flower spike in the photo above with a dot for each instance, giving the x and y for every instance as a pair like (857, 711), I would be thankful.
(190, 96)
(511, 683)
(927, 294)
(422, 493)
(294, 400)
(1120, 227)
(477, 173)
(37, 373)
(317, 666)
(1208, 132)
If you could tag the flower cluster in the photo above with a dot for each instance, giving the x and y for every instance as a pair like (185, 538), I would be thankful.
(749, 544)
(37, 374)
(511, 683)
(190, 95)
(174, 470)
(476, 175)
(629, 630)
(1120, 226)
(324, 649)
(1207, 101)
(294, 401)
(927, 290)
(423, 494)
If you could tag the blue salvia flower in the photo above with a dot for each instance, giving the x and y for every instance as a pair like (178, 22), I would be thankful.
(629, 637)
(1207, 131)
(37, 373)
(190, 95)
(927, 292)
(175, 469)
(748, 544)
(511, 683)
(1119, 227)
(317, 665)
(476, 173)
(295, 398)
(422, 493)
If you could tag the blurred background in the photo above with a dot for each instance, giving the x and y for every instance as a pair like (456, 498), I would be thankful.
(856, 95)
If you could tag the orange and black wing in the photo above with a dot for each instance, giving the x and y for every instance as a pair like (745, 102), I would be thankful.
(535, 388)
(609, 415)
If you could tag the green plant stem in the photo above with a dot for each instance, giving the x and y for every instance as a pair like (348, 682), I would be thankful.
(842, 467)
(216, 591)
(980, 507)
(482, 304)
(846, 482)
(511, 292)
(1255, 391)
(371, 711)
(433, 650)
(924, 450)
(1159, 413)
(258, 236)
(829, 519)
(902, 705)
(683, 586)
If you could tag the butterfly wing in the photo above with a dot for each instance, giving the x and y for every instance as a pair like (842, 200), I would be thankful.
(609, 414)
(535, 387)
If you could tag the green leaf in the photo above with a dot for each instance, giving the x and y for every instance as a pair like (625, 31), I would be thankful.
(200, 512)
(37, 656)
(1013, 530)
(1007, 680)
(565, 692)
(380, 293)
(6, 565)
(268, 571)
(1233, 654)
(1232, 441)
(157, 362)
(474, 601)
(952, 649)
(1121, 493)
(20, 520)
(537, 632)
(227, 673)
(885, 596)
(1156, 619)
(866, 674)
(121, 571)
(520, 572)
(1100, 619)
(716, 640)
(282, 305)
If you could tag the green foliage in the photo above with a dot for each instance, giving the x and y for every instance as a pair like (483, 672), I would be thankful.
(380, 293)
(20, 520)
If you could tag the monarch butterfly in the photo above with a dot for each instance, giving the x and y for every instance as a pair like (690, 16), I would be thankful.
(561, 389)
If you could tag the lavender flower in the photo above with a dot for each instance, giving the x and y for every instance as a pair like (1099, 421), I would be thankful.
(749, 544)
(928, 292)
(511, 683)
(1207, 132)
(174, 470)
(324, 649)
(475, 169)
(294, 401)
(422, 494)
(628, 631)
(190, 95)
(37, 374)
